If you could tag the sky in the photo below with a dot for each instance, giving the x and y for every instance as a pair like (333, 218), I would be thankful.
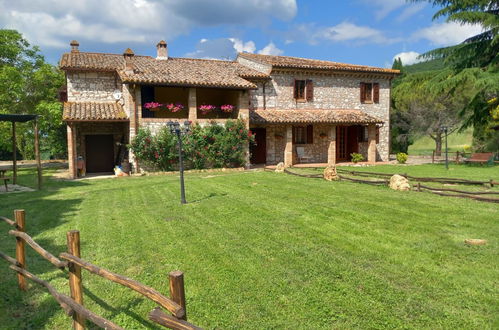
(366, 32)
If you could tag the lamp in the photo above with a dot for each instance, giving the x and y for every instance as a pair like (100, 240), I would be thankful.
(175, 128)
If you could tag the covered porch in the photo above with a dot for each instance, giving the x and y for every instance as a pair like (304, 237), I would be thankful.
(297, 137)
(97, 136)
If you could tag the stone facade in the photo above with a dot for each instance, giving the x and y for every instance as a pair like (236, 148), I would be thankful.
(92, 86)
(276, 144)
(330, 92)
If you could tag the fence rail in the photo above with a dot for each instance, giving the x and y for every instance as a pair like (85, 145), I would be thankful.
(476, 195)
(73, 306)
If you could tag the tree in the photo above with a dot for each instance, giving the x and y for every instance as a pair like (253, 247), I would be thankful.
(475, 62)
(29, 85)
(423, 113)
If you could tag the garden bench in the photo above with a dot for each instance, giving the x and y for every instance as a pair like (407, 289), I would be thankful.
(481, 158)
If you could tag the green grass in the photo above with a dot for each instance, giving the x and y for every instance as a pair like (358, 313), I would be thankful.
(265, 250)
(456, 141)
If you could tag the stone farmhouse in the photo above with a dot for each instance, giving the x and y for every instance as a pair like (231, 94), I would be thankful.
(301, 110)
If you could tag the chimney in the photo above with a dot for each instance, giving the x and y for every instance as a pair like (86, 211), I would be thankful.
(128, 55)
(74, 46)
(162, 48)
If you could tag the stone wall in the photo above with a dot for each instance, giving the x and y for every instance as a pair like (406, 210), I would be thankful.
(92, 86)
(276, 143)
(330, 92)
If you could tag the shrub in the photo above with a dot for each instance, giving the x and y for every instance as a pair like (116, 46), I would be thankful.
(356, 157)
(204, 147)
(402, 157)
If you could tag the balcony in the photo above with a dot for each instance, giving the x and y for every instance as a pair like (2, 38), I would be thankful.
(196, 104)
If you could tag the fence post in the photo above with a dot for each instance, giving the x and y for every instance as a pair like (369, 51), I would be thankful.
(75, 285)
(20, 216)
(177, 291)
(433, 156)
(419, 186)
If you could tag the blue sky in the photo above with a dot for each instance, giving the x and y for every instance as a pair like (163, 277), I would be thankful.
(368, 32)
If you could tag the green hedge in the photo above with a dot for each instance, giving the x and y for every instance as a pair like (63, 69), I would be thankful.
(211, 146)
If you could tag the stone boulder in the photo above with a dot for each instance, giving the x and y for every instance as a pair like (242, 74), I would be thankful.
(330, 173)
(279, 168)
(398, 182)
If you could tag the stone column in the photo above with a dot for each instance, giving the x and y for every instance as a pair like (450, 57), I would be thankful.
(288, 150)
(192, 104)
(331, 150)
(371, 149)
(71, 151)
(243, 108)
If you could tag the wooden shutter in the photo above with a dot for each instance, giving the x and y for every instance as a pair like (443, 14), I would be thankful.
(293, 135)
(295, 90)
(376, 92)
(377, 135)
(362, 92)
(309, 91)
(310, 134)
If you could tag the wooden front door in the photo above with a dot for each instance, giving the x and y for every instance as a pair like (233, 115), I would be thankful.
(341, 143)
(99, 152)
(259, 151)
(352, 140)
(346, 142)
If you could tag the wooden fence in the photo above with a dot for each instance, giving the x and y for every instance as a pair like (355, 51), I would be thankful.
(71, 260)
(476, 195)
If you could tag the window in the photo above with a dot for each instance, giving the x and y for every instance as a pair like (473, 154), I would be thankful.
(369, 92)
(303, 134)
(304, 90)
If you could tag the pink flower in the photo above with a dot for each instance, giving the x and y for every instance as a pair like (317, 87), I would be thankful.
(152, 105)
(227, 108)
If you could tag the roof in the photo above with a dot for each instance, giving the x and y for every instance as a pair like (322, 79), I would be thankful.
(186, 71)
(305, 63)
(312, 116)
(17, 118)
(90, 111)
(171, 71)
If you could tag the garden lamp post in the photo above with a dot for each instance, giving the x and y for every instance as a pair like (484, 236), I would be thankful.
(445, 130)
(180, 131)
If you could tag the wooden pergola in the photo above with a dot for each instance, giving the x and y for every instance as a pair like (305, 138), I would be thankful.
(14, 118)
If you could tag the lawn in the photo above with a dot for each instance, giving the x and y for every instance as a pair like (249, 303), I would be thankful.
(457, 141)
(265, 250)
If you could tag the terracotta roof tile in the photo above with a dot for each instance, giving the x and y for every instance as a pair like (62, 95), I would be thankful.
(311, 116)
(173, 71)
(305, 63)
(93, 111)
(185, 71)
(91, 61)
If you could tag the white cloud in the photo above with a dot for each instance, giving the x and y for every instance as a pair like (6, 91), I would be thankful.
(343, 32)
(407, 58)
(241, 46)
(447, 34)
(411, 11)
(385, 7)
(52, 23)
(271, 49)
(227, 48)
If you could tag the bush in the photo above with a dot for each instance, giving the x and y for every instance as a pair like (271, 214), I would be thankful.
(402, 157)
(204, 147)
(356, 157)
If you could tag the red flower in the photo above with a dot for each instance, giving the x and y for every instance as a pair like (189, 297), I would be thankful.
(156, 155)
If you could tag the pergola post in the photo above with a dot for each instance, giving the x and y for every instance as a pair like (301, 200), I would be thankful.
(37, 155)
(14, 154)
